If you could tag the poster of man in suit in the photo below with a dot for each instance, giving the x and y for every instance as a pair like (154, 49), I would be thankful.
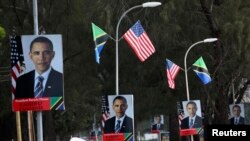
(40, 86)
(190, 119)
(192, 112)
(158, 123)
(237, 116)
(121, 119)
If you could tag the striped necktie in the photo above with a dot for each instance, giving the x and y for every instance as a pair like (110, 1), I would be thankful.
(158, 126)
(39, 87)
(117, 127)
(236, 121)
(191, 123)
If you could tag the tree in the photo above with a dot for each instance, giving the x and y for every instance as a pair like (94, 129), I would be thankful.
(172, 27)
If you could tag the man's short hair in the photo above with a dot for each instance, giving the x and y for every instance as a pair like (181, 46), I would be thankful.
(120, 98)
(191, 102)
(158, 116)
(42, 39)
(236, 106)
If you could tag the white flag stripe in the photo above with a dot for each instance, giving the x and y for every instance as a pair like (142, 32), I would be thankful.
(134, 45)
(149, 44)
(175, 70)
(170, 80)
(144, 48)
(139, 41)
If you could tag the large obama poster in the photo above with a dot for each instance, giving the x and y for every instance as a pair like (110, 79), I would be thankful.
(120, 123)
(39, 86)
(190, 117)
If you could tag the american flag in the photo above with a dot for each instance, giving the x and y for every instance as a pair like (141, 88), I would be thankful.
(105, 109)
(139, 41)
(171, 70)
(16, 61)
(180, 112)
(180, 116)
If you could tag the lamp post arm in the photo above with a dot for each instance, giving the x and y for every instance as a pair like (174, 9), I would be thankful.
(116, 45)
(123, 15)
(185, 65)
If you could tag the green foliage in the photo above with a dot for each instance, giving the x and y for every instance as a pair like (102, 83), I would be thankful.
(2, 33)
(172, 27)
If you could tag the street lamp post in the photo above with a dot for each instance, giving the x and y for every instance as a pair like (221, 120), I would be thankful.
(209, 40)
(147, 4)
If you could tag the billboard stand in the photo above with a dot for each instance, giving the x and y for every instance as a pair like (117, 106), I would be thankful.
(18, 124)
(30, 125)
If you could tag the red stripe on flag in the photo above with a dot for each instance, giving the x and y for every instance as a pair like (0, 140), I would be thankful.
(105, 110)
(16, 61)
(171, 71)
(139, 41)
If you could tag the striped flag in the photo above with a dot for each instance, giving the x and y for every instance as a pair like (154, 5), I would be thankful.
(201, 70)
(180, 111)
(171, 71)
(16, 61)
(100, 38)
(180, 116)
(139, 41)
(105, 109)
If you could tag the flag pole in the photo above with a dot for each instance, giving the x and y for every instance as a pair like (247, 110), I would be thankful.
(185, 64)
(208, 40)
(147, 4)
(116, 46)
(234, 97)
(39, 117)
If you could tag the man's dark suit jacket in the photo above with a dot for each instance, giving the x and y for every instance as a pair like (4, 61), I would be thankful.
(154, 127)
(53, 87)
(185, 125)
(197, 122)
(127, 125)
(241, 120)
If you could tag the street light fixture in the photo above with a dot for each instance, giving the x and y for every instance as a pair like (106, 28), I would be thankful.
(147, 4)
(151, 4)
(208, 40)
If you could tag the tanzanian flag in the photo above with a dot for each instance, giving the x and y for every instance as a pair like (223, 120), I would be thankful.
(201, 70)
(100, 38)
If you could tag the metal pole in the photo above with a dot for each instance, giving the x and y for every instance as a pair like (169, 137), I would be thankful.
(35, 15)
(30, 125)
(116, 46)
(185, 64)
(18, 125)
(234, 97)
(208, 40)
(39, 117)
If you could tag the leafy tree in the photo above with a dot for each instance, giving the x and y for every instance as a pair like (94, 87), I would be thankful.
(172, 27)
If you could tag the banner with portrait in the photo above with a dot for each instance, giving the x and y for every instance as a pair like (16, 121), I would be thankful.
(121, 118)
(157, 123)
(237, 114)
(190, 117)
(37, 78)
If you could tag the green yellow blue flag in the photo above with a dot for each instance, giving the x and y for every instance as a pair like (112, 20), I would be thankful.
(100, 38)
(201, 70)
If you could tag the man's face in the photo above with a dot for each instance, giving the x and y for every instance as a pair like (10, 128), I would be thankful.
(41, 55)
(158, 119)
(119, 107)
(191, 109)
(236, 111)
